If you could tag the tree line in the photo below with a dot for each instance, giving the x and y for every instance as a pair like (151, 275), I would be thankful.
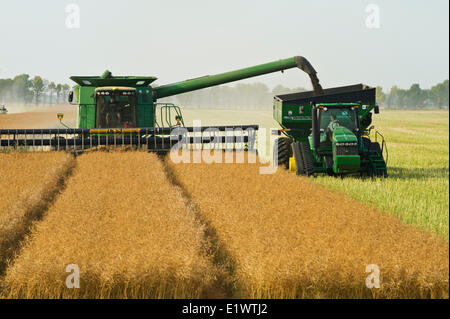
(36, 90)
(24, 89)
(415, 97)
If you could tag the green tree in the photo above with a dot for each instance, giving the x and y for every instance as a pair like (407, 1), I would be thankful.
(21, 88)
(58, 91)
(38, 88)
(65, 91)
(51, 89)
(279, 89)
(380, 96)
(396, 97)
(415, 96)
(5, 88)
(439, 94)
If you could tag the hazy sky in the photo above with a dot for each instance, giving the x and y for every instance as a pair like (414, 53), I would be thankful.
(175, 40)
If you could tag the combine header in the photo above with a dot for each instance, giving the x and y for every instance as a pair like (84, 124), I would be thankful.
(124, 110)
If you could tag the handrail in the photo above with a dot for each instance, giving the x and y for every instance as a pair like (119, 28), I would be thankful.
(383, 145)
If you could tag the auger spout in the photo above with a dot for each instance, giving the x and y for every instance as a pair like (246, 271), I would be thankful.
(245, 73)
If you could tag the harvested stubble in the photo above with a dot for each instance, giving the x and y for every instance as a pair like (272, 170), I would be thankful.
(28, 183)
(291, 238)
(127, 229)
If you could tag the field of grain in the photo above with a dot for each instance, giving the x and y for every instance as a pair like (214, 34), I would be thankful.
(28, 184)
(26, 116)
(139, 226)
(125, 226)
(417, 190)
(288, 237)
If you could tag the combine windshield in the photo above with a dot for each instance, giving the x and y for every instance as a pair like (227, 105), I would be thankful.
(116, 109)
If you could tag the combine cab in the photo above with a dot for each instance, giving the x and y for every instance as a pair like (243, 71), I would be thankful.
(330, 132)
(124, 111)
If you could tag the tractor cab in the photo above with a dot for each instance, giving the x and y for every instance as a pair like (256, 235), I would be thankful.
(115, 107)
(337, 118)
(335, 135)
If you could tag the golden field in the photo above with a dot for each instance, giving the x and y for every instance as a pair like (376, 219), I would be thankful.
(28, 183)
(288, 237)
(140, 226)
(125, 226)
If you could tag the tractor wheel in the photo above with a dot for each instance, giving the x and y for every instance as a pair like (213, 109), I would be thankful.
(308, 166)
(303, 160)
(283, 145)
(370, 172)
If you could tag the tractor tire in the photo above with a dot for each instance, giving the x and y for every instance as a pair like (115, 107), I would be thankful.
(283, 145)
(303, 159)
(308, 165)
(329, 165)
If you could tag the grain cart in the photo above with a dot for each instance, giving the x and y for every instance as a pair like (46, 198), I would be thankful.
(124, 110)
(329, 132)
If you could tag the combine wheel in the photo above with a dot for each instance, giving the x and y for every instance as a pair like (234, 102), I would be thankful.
(283, 145)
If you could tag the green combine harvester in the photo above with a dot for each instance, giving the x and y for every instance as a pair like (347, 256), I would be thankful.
(124, 111)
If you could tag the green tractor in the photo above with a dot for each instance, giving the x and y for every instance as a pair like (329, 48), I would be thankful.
(329, 132)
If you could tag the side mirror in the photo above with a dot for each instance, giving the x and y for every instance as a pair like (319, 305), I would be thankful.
(376, 109)
(70, 96)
